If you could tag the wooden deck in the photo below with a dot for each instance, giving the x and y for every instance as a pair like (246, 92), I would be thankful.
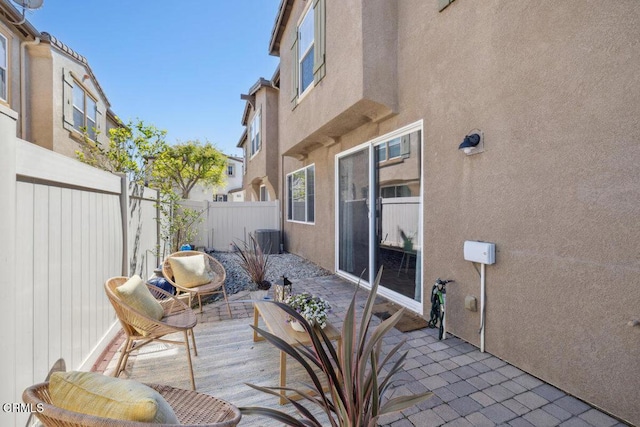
(228, 357)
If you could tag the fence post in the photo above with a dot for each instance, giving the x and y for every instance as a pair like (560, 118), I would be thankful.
(8, 364)
(124, 209)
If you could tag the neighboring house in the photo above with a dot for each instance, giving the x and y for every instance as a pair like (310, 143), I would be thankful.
(51, 86)
(259, 141)
(376, 97)
(233, 184)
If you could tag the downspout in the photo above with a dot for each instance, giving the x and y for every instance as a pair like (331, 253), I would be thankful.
(23, 83)
(282, 202)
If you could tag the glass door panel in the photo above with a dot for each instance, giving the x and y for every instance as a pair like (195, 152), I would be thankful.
(353, 213)
(397, 194)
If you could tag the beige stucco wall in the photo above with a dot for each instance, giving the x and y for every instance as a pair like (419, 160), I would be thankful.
(360, 75)
(46, 100)
(262, 168)
(555, 89)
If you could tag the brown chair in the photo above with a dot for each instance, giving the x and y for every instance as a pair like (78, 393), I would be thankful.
(178, 317)
(191, 408)
(214, 287)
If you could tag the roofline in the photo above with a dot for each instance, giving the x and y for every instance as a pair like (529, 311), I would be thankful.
(250, 98)
(243, 137)
(15, 15)
(63, 48)
(284, 11)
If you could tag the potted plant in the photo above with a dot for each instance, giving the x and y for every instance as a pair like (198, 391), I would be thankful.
(313, 308)
(255, 263)
(357, 376)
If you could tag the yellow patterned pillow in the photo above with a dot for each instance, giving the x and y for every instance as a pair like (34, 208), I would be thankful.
(190, 271)
(95, 394)
(136, 294)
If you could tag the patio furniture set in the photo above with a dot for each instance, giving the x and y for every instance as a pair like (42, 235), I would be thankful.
(146, 314)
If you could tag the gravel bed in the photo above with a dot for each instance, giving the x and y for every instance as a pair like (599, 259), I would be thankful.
(292, 266)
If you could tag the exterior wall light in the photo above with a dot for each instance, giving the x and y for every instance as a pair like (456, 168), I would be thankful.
(473, 143)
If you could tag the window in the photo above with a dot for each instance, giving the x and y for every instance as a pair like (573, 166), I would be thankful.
(305, 51)
(254, 134)
(231, 170)
(264, 194)
(389, 150)
(308, 51)
(395, 191)
(3, 67)
(84, 112)
(301, 195)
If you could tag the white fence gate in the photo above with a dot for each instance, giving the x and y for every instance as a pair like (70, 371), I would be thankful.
(225, 222)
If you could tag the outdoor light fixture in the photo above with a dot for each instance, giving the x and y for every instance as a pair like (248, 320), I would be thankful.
(473, 143)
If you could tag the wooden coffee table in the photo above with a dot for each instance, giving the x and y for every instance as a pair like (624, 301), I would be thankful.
(276, 321)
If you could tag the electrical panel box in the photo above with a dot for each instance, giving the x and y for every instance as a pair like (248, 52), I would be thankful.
(482, 252)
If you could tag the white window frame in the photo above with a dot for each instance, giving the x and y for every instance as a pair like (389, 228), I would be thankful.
(307, 196)
(5, 69)
(263, 190)
(231, 167)
(255, 134)
(301, 55)
(85, 116)
(386, 145)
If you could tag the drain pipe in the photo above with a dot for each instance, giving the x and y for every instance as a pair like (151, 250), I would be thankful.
(483, 253)
(23, 83)
(483, 290)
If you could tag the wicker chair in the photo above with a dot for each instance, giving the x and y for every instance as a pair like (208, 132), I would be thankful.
(191, 409)
(178, 317)
(214, 287)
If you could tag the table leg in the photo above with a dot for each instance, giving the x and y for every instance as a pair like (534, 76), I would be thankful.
(283, 376)
(256, 337)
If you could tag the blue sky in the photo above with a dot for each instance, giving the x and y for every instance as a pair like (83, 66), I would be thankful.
(180, 65)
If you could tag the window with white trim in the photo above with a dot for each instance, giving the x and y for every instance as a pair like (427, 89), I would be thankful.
(4, 61)
(301, 195)
(305, 51)
(389, 150)
(254, 134)
(308, 51)
(231, 169)
(264, 194)
(84, 111)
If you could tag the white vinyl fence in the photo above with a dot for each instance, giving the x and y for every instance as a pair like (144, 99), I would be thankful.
(225, 222)
(65, 230)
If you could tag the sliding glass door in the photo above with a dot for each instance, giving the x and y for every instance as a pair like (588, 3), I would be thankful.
(379, 188)
(353, 213)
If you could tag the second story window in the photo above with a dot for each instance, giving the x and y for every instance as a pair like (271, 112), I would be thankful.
(254, 134)
(305, 51)
(308, 51)
(231, 170)
(84, 112)
(3, 67)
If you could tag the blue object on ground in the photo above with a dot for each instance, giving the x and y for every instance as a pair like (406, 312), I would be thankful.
(186, 248)
(162, 283)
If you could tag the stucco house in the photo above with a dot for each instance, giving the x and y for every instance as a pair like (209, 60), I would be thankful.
(375, 99)
(227, 192)
(259, 141)
(51, 86)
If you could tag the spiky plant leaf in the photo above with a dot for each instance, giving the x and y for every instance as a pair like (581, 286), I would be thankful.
(356, 388)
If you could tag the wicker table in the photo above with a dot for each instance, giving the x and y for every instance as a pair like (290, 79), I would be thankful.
(275, 320)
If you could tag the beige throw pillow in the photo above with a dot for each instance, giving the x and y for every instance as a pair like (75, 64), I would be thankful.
(95, 394)
(190, 271)
(136, 294)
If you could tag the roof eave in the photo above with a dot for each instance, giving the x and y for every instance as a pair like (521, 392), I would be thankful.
(284, 12)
